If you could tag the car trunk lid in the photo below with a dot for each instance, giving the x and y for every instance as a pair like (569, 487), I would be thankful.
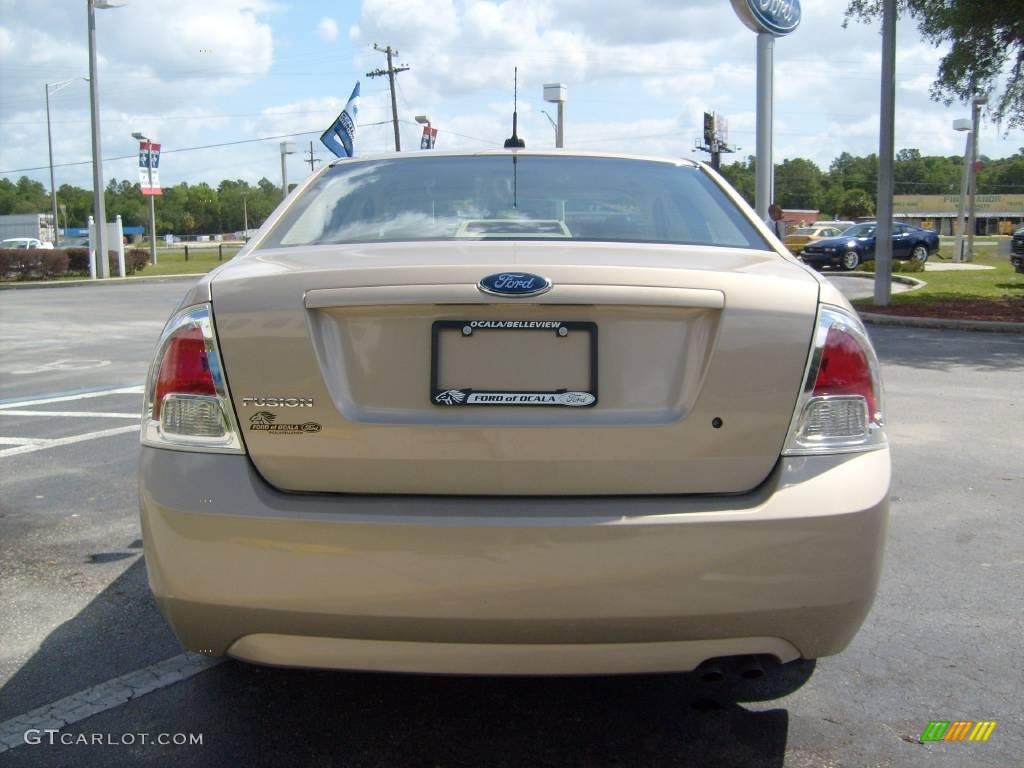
(692, 356)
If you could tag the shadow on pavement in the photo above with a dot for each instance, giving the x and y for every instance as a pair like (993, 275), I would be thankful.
(119, 631)
(942, 349)
(250, 715)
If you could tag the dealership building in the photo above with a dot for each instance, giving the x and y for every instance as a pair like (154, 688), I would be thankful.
(994, 214)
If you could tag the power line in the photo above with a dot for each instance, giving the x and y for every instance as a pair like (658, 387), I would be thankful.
(187, 149)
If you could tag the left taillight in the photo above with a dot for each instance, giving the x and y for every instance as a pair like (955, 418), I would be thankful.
(187, 404)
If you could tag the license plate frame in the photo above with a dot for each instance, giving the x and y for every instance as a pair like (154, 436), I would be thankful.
(503, 398)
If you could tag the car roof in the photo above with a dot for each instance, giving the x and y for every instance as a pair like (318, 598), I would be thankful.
(515, 152)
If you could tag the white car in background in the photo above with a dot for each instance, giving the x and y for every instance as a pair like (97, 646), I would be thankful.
(24, 242)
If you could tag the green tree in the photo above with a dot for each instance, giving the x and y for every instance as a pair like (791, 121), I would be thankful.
(986, 39)
(1002, 177)
(742, 176)
(8, 196)
(125, 199)
(32, 197)
(852, 172)
(856, 203)
(75, 203)
(798, 184)
(831, 203)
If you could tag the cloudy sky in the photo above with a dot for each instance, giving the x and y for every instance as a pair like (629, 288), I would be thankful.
(640, 74)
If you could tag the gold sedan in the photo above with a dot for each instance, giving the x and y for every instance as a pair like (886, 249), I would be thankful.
(798, 238)
(514, 412)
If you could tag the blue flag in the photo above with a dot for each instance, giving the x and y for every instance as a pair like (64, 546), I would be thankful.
(340, 137)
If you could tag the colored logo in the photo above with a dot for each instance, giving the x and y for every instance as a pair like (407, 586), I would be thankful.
(514, 284)
(777, 17)
(958, 730)
(263, 421)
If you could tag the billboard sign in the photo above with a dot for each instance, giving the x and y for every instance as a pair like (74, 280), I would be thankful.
(149, 168)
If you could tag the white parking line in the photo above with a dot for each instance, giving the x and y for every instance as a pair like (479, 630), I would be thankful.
(53, 443)
(67, 398)
(23, 440)
(105, 696)
(73, 414)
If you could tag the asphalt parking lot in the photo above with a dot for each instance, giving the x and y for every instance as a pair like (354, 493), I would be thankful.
(945, 640)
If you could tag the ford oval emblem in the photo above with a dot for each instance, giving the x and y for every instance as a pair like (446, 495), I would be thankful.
(777, 17)
(514, 284)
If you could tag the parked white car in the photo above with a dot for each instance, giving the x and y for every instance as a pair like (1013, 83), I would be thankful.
(24, 242)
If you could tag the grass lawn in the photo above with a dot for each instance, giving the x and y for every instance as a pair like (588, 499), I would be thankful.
(171, 261)
(985, 294)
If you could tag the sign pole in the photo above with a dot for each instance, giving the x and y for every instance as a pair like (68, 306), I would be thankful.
(149, 158)
(152, 230)
(769, 20)
(765, 77)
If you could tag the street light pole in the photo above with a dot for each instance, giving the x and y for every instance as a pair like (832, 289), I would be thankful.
(958, 248)
(287, 148)
(98, 205)
(557, 93)
(53, 189)
(976, 104)
(886, 151)
(49, 143)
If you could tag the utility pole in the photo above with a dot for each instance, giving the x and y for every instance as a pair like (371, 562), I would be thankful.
(391, 71)
(312, 159)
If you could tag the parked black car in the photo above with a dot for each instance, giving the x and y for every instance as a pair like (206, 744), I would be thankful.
(857, 245)
(1017, 250)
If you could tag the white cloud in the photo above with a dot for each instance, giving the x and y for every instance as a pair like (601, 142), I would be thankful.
(639, 74)
(327, 29)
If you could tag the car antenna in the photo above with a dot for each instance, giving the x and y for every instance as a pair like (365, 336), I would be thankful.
(514, 142)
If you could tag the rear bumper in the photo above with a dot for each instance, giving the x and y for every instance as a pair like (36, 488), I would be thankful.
(506, 585)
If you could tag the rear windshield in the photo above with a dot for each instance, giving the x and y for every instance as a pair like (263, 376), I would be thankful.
(529, 198)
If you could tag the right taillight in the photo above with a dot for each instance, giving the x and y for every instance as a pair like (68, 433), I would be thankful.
(840, 405)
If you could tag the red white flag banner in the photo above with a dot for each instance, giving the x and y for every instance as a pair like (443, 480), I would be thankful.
(429, 137)
(149, 168)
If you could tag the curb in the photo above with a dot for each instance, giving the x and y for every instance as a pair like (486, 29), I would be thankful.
(103, 281)
(895, 278)
(990, 326)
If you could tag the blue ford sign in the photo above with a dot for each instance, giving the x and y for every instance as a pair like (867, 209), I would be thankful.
(777, 17)
(514, 284)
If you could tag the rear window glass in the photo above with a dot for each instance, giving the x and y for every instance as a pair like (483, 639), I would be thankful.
(533, 198)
